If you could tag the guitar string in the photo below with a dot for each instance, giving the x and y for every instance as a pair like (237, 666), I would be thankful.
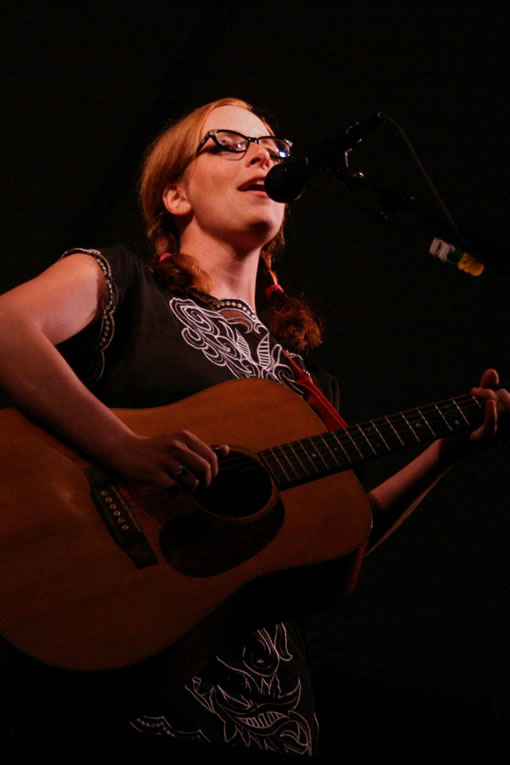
(332, 446)
(389, 426)
(397, 421)
(433, 413)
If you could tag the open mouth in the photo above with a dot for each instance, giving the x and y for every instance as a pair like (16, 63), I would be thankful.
(255, 185)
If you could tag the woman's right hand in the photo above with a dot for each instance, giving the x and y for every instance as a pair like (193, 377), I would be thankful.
(180, 459)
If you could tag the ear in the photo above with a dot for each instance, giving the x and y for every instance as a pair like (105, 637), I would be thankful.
(176, 201)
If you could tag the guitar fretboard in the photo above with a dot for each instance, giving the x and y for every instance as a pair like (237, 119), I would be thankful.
(301, 461)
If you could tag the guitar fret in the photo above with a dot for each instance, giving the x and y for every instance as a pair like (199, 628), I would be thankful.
(374, 438)
(461, 412)
(372, 423)
(347, 433)
(307, 455)
(336, 435)
(335, 463)
(476, 403)
(351, 447)
(409, 425)
(284, 451)
(366, 439)
(316, 453)
(270, 453)
(443, 418)
(427, 423)
(394, 430)
(291, 447)
(320, 455)
(450, 411)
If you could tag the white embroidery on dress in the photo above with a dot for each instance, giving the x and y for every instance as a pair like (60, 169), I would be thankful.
(158, 725)
(107, 329)
(261, 713)
(219, 335)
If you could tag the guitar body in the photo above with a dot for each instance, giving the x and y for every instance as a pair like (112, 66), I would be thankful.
(72, 597)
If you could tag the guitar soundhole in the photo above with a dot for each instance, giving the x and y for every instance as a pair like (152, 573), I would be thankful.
(242, 516)
(242, 487)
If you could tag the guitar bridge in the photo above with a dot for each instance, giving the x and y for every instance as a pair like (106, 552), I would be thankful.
(119, 519)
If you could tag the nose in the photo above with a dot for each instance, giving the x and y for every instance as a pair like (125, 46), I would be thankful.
(258, 154)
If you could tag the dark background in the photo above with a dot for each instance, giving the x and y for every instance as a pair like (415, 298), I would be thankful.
(422, 643)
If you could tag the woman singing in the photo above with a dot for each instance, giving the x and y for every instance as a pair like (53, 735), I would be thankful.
(101, 329)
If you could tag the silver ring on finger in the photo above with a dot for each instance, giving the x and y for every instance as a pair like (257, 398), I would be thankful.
(182, 472)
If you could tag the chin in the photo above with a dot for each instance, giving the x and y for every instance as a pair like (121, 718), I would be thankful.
(266, 230)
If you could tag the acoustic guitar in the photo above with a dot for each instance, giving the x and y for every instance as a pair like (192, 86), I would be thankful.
(100, 574)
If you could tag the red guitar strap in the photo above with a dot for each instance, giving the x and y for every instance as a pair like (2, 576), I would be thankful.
(317, 400)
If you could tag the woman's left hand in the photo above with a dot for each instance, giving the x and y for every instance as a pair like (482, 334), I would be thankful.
(495, 428)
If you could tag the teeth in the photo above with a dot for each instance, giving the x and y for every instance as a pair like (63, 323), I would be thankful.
(256, 185)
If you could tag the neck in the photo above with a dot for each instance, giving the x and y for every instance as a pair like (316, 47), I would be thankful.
(232, 273)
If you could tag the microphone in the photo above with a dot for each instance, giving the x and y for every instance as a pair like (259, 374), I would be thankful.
(286, 181)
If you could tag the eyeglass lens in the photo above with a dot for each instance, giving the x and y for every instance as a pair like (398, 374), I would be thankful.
(236, 142)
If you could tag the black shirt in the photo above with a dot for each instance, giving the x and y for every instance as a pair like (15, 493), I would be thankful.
(152, 347)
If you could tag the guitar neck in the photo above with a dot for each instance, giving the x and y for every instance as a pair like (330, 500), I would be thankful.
(298, 462)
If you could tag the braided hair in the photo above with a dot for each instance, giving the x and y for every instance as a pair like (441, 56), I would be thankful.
(288, 318)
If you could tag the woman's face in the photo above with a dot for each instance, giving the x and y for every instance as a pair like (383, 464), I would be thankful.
(222, 195)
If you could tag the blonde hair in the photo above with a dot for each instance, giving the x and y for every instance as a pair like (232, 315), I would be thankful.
(165, 161)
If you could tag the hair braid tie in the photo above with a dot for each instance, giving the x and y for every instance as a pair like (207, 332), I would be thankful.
(275, 287)
(272, 289)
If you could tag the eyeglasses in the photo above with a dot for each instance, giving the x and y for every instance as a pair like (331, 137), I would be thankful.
(237, 143)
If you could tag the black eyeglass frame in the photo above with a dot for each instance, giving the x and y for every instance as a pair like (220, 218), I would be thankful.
(213, 134)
